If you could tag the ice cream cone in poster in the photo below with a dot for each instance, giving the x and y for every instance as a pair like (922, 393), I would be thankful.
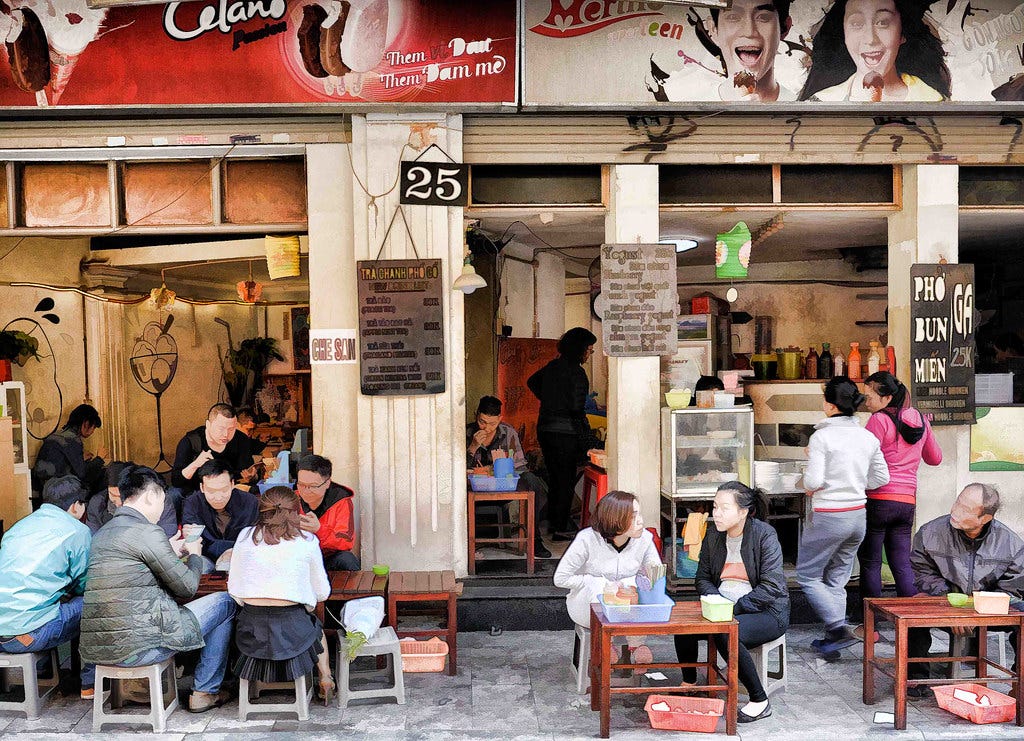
(70, 25)
(62, 67)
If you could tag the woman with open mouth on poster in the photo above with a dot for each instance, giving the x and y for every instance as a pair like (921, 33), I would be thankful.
(876, 51)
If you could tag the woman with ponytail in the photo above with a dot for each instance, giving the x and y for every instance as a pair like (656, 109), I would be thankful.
(906, 439)
(741, 560)
(277, 575)
(843, 461)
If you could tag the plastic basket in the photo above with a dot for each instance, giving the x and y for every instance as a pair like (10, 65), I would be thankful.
(1001, 710)
(479, 482)
(423, 656)
(658, 612)
(685, 713)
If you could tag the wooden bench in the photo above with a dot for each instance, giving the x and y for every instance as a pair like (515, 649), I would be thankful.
(427, 586)
(526, 519)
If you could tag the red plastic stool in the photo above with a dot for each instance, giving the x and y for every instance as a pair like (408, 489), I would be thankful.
(594, 480)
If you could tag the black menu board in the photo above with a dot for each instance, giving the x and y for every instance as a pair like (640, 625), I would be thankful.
(401, 327)
(942, 350)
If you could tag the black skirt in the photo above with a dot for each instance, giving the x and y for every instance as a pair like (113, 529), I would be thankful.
(277, 644)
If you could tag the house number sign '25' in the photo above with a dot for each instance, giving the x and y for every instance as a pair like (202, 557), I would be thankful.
(434, 184)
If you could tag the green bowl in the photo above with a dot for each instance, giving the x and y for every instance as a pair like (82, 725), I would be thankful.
(959, 600)
(381, 570)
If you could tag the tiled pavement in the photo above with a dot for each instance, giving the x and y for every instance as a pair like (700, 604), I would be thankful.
(518, 685)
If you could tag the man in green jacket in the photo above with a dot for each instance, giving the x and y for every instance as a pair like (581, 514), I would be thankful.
(130, 617)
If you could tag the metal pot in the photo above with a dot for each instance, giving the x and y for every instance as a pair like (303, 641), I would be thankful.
(791, 364)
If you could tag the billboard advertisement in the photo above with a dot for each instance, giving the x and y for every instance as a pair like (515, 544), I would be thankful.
(62, 53)
(593, 52)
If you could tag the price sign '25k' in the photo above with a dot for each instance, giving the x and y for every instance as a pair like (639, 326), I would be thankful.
(434, 184)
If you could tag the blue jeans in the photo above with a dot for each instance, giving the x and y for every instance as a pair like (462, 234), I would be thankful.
(62, 629)
(216, 616)
(341, 561)
(828, 549)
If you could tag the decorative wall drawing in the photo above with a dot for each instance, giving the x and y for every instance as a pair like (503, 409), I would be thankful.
(154, 361)
(43, 394)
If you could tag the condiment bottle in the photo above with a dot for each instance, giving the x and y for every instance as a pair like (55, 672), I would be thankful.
(853, 362)
(825, 365)
(890, 354)
(838, 363)
(811, 364)
(874, 359)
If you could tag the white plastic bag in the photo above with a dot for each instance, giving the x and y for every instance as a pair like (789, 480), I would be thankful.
(361, 618)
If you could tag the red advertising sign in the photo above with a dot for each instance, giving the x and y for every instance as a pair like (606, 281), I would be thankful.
(247, 52)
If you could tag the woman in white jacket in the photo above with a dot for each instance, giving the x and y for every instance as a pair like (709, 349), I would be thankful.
(615, 549)
(843, 461)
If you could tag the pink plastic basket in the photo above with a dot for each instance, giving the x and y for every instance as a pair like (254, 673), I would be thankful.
(1001, 710)
(685, 713)
(423, 656)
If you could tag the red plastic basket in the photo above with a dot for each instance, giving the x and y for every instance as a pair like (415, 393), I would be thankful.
(685, 713)
(1001, 710)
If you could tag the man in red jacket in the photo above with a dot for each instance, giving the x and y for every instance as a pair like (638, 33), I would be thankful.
(327, 512)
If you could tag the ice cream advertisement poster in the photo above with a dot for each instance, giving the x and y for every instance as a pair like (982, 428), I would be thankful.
(995, 439)
(61, 53)
(756, 52)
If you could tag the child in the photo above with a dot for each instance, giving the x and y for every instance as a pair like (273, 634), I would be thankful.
(844, 460)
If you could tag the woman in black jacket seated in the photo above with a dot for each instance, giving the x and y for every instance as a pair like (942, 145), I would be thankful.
(741, 560)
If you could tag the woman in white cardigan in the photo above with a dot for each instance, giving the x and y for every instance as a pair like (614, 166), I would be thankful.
(615, 549)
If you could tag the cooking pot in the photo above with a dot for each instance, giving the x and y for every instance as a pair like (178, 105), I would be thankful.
(791, 364)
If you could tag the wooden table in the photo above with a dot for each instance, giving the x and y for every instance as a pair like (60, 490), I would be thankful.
(931, 612)
(685, 620)
(427, 586)
(526, 519)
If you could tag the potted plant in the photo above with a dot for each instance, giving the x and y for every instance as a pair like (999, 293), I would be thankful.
(16, 347)
(244, 367)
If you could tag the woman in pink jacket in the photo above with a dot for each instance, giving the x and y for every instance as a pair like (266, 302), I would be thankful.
(906, 439)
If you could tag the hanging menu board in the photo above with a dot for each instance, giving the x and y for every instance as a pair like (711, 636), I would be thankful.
(401, 327)
(639, 299)
(942, 348)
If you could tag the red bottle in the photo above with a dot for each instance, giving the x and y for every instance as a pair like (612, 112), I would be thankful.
(853, 362)
(890, 357)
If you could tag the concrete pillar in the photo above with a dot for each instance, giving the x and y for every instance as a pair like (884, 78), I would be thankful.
(633, 383)
(332, 302)
(926, 230)
(412, 467)
(550, 282)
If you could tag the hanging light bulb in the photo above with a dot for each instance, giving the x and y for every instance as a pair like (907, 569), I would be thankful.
(163, 297)
(470, 280)
(249, 290)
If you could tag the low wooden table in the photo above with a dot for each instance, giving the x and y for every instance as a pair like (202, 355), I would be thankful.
(685, 620)
(931, 612)
(526, 519)
(427, 586)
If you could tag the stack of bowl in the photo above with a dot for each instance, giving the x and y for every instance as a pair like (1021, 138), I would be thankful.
(766, 475)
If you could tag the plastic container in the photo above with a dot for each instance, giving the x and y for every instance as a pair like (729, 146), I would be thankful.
(955, 599)
(658, 612)
(1002, 709)
(678, 399)
(724, 399)
(654, 595)
(992, 603)
(381, 569)
(479, 482)
(504, 467)
(685, 713)
(423, 656)
(716, 610)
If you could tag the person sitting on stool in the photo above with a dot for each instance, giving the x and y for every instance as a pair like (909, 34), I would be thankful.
(221, 509)
(327, 512)
(965, 551)
(488, 435)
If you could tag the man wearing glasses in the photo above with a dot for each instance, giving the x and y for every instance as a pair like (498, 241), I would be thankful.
(327, 512)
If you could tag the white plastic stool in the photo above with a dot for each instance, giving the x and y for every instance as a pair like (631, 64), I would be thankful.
(30, 681)
(383, 643)
(303, 694)
(162, 700)
(581, 659)
(771, 681)
(958, 647)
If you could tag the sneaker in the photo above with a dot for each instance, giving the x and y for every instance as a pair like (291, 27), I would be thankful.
(88, 693)
(539, 551)
(838, 639)
(200, 702)
(918, 691)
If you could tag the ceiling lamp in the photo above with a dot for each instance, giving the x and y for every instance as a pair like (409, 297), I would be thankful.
(682, 244)
(249, 290)
(470, 280)
(282, 256)
(162, 297)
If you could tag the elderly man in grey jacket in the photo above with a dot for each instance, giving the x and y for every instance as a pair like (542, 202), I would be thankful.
(130, 617)
(965, 551)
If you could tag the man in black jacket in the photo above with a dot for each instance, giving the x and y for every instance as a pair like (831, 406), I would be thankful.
(219, 438)
(221, 509)
(965, 551)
